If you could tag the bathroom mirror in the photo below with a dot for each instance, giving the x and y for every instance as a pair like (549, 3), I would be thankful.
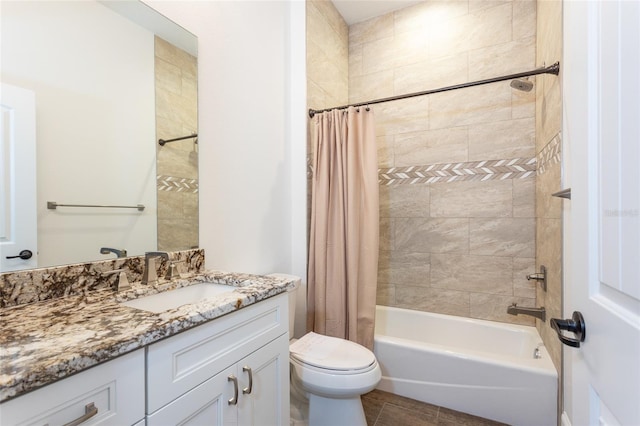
(109, 80)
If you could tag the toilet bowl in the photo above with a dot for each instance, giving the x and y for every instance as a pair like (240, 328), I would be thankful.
(328, 375)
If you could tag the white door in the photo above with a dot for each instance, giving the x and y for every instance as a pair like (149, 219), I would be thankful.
(601, 99)
(18, 215)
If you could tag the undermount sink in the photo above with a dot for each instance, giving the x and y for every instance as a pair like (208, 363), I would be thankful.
(172, 299)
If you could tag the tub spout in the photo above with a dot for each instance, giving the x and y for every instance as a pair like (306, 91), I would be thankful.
(534, 312)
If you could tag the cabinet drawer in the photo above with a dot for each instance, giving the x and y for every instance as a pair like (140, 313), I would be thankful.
(184, 361)
(116, 389)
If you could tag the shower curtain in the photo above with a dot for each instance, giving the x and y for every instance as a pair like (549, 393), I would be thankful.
(344, 230)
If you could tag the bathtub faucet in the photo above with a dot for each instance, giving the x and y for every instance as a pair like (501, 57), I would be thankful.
(514, 309)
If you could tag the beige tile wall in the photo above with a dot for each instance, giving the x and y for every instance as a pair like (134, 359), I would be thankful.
(459, 248)
(327, 55)
(327, 64)
(548, 139)
(177, 162)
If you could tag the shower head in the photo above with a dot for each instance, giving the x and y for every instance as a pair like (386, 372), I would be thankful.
(524, 85)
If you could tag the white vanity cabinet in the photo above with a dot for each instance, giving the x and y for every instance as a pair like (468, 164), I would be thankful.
(193, 377)
(108, 394)
(190, 378)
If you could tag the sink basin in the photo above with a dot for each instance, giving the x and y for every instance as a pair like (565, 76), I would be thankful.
(171, 299)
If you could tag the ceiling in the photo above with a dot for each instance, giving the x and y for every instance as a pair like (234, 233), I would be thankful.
(354, 11)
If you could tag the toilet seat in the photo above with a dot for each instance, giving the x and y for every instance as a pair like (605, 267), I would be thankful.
(331, 354)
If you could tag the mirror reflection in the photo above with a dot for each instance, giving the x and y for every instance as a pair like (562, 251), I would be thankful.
(94, 91)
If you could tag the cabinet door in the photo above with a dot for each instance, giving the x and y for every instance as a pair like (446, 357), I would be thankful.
(205, 405)
(266, 402)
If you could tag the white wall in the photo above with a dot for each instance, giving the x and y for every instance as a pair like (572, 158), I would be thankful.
(252, 130)
(252, 133)
(94, 123)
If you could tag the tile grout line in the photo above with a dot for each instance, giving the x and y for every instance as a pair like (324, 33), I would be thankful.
(375, 422)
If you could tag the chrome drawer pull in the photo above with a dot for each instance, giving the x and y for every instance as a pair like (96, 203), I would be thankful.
(90, 410)
(250, 388)
(234, 379)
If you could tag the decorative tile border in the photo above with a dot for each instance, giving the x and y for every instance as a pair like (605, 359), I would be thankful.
(177, 184)
(551, 154)
(515, 168)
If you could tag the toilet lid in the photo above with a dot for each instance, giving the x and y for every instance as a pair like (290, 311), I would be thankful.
(331, 353)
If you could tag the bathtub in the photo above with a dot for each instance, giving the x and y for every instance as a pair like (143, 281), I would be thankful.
(483, 368)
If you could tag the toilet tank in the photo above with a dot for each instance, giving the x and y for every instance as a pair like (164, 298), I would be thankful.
(292, 299)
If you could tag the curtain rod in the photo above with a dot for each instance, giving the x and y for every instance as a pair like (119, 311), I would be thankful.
(161, 142)
(552, 69)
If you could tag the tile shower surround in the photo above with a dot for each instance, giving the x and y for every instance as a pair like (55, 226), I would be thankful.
(549, 180)
(457, 169)
(459, 244)
(33, 285)
(440, 279)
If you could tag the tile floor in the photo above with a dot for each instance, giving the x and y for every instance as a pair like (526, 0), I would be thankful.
(386, 409)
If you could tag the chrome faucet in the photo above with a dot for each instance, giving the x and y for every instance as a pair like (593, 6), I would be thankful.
(540, 313)
(149, 274)
(118, 253)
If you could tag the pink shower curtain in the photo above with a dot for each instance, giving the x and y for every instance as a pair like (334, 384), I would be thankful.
(344, 231)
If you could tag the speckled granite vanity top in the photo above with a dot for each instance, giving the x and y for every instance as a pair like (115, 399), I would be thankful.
(46, 341)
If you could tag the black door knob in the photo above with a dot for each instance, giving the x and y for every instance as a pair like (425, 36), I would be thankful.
(24, 255)
(574, 325)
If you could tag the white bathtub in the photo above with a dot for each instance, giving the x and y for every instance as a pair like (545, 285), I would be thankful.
(478, 367)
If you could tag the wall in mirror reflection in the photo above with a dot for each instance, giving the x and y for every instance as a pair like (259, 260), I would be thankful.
(94, 106)
(97, 77)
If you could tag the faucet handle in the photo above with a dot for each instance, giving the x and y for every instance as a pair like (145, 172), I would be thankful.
(122, 282)
(173, 271)
(149, 275)
(541, 277)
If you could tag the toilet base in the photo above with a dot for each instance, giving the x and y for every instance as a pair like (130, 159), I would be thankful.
(299, 406)
(336, 411)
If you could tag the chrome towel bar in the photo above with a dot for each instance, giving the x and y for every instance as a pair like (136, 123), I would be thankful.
(52, 205)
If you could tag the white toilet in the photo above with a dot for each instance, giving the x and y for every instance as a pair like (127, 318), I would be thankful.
(328, 375)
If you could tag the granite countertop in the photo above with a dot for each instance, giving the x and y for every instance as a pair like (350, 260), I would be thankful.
(47, 341)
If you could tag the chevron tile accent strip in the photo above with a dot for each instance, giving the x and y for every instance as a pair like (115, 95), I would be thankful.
(177, 184)
(515, 168)
(550, 154)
